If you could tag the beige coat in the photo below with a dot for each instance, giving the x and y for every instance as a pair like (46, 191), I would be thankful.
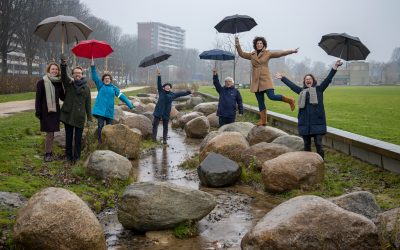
(261, 78)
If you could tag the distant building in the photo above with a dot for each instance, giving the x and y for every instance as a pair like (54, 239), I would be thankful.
(355, 73)
(16, 63)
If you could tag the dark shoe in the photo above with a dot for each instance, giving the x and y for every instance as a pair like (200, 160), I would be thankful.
(165, 142)
(48, 157)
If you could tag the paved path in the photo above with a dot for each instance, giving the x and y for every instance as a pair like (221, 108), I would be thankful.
(9, 108)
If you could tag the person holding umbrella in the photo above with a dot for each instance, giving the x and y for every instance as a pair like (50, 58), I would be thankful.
(49, 91)
(163, 106)
(311, 117)
(76, 108)
(229, 96)
(103, 108)
(261, 80)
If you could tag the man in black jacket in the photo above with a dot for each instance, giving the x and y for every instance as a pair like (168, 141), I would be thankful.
(228, 98)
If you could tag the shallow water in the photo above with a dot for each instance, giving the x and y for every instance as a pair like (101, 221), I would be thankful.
(238, 207)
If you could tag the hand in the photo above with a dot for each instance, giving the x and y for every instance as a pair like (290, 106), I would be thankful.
(295, 50)
(63, 59)
(158, 72)
(214, 71)
(89, 124)
(279, 75)
(337, 64)
(38, 115)
(237, 40)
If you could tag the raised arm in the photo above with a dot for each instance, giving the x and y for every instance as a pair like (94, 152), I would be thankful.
(242, 54)
(288, 83)
(277, 54)
(95, 77)
(159, 86)
(216, 81)
(325, 83)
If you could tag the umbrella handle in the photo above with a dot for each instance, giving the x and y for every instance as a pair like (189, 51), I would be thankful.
(157, 66)
(92, 61)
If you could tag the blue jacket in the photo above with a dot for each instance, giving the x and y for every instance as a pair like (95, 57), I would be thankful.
(311, 118)
(104, 104)
(163, 106)
(228, 98)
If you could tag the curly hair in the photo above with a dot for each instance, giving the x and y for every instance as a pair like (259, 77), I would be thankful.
(259, 38)
(106, 74)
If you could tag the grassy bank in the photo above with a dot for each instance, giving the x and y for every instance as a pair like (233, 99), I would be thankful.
(372, 111)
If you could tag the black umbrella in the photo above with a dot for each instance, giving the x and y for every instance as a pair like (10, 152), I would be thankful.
(154, 59)
(217, 54)
(235, 24)
(344, 46)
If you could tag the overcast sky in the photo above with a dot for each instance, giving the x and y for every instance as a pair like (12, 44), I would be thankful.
(286, 24)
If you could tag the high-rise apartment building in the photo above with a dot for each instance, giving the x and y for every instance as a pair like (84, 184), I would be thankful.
(154, 36)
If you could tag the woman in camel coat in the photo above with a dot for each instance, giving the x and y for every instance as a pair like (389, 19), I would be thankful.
(261, 81)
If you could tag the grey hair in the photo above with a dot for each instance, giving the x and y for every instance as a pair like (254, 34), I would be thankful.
(229, 79)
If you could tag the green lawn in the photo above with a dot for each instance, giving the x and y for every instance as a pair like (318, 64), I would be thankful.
(17, 97)
(372, 111)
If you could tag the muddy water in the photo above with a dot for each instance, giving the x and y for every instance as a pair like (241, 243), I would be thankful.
(238, 208)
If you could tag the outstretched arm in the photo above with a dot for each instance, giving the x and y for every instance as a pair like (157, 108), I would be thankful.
(123, 97)
(182, 93)
(216, 81)
(277, 54)
(242, 54)
(325, 83)
(288, 83)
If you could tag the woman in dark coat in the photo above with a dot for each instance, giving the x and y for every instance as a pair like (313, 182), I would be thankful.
(49, 91)
(311, 117)
(163, 106)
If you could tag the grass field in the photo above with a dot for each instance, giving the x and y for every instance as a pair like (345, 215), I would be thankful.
(372, 111)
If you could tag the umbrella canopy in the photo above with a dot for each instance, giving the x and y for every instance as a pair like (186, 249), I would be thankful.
(235, 24)
(344, 46)
(217, 54)
(92, 49)
(154, 59)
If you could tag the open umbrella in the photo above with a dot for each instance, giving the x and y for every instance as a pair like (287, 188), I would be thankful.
(344, 46)
(235, 24)
(62, 29)
(154, 59)
(217, 54)
(92, 49)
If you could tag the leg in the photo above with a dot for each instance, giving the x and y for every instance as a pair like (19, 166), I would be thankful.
(48, 156)
(109, 121)
(78, 143)
(262, 108)
(100, 125)
(221, 121)
(307, 142)
(156, 121)
(271, 95)
(318, 145)
(165, 130)
(69, 133)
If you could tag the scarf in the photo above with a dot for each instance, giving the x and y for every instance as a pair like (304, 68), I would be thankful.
(50, 91)
(313, 97)
(79, 85)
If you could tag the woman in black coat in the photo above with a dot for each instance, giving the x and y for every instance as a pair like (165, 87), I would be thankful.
(49, 91)
(311, 117)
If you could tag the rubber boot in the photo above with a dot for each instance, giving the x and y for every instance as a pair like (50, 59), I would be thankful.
(290, 101)
(263, 118)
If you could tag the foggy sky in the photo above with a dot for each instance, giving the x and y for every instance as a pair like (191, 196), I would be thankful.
(286, 24)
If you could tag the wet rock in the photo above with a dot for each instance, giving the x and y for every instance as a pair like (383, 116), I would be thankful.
(148, 206)
(140, 122)
(213, 119)
(181, 106)
(206, 108)
(310, 222)
(294, 142)
(218, 171)
(174, 113)
(149, 115)
(361, 202)
(194, 101)
(122, 140)
(264, 134)
(198, 127)
(228, 144)
(149, 107)
(241, 127)
(56, 218)
(107, 164)
(210, 135)
(118, 114)
(388, 224)
(182, 120)
(262, 152)
(293, 170)
(11, 200)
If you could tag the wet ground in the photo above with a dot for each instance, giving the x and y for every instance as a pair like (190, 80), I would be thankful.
(238, 207)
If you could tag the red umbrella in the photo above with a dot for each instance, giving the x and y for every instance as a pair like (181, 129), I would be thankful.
(92, 49)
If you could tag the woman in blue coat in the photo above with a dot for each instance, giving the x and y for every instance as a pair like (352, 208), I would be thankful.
(103, 108)
(311, 117)
(163, 106)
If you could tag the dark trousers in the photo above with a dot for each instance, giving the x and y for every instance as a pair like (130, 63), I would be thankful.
(317, 141)
(271, 95)
(69, 135)
(155, 127)
(225, 120)
(100, 125)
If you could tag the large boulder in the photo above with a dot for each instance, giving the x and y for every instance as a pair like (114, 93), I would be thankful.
(198, 127)
(56, 218)
(262, 152)
(213, 119)
(11, 200)
(182, 120)
(388, 224)
(183, 98)
(293, 170)
(107, 164)
(361, 202)
(310, 222)
(264, 134)
(206, 108)
(206, 139)
(296, 143)
(194, 101)
(218, 171)
(149, 115)
(140, 122)
(228, 144)
(146, 100)
(150, 206)
(150, 107)
(118, 114)
(174, 113)
(122, 140)
(241, 127)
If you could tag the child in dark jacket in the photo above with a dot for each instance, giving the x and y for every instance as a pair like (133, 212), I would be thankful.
(163, 106)
(229, 96)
